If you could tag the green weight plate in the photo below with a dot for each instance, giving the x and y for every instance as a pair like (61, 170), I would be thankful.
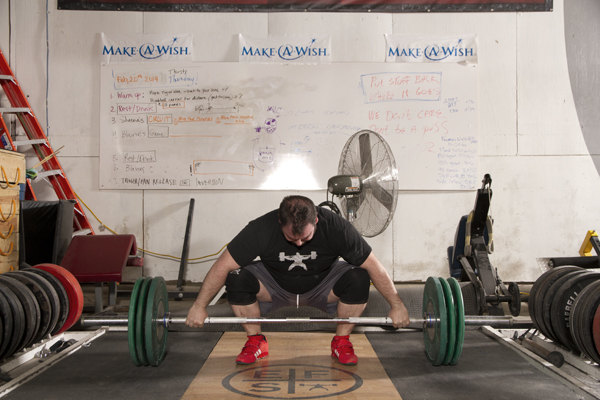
(140, 345)
(435, 329)
(451, 313)
(156, 333)
(460, 319)
(131, 318)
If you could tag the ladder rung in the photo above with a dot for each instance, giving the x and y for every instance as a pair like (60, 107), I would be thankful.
(44, 174)
(14, 110)
(30, 141)
(22, 108)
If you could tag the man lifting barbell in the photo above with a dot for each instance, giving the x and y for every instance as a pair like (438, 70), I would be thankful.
(299, 246)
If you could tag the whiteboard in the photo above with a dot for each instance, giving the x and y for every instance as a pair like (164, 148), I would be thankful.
(276, 127)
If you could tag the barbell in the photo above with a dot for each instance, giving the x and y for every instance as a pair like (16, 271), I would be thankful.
(443, 321)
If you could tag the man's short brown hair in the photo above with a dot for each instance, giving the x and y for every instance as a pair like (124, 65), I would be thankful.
(298, 211)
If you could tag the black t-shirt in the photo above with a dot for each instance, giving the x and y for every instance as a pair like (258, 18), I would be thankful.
(299, 269)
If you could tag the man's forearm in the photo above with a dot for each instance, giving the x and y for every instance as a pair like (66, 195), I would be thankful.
(382, 281)
(213, 282)
(386, 287)
(215, 279)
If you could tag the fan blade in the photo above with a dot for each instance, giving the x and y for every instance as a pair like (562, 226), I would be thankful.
(366, 160)
(382, 195)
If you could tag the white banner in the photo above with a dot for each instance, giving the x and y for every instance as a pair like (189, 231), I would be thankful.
(431, 49)
(285, 49)
(141, 47)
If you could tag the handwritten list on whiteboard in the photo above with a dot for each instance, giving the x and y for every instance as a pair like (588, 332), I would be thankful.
(253, 126)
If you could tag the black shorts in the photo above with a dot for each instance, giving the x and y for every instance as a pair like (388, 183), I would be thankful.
(316, 297)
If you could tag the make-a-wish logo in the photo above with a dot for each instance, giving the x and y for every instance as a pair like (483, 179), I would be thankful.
(148, 51)
(439, 53)
(287, 52)
(428, 50)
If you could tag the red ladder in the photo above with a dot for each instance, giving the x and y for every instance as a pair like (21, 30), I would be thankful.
(51, 168)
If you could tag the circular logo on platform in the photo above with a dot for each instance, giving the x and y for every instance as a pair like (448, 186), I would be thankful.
(292, 381)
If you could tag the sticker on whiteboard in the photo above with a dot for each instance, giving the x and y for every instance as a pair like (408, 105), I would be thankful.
(431, 49)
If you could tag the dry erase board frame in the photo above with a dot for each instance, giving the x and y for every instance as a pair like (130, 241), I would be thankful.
(394, 6)
(282, 127)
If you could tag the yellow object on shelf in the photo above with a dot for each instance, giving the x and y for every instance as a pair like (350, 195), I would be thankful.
(586, 246)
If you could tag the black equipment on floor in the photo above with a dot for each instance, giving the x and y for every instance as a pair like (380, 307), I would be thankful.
(469, 260)
(46, 229)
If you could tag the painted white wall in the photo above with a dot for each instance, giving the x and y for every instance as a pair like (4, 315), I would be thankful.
(544, 181)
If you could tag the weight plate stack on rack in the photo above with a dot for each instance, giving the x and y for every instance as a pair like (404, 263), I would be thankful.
(61, 293)
(31, 310)
(564, 304)
(544, 297)
(36, 303)
(582, 318)
(561, 306)
(73, 289)
(43, 301)
(538, 290)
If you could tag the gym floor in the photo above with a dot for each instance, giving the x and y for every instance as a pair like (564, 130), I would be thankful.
(487, 369)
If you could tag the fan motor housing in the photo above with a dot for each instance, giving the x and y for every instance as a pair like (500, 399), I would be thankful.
(344, 185)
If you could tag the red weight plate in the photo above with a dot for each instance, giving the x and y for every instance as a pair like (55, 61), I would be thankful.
(73, 289)
(596, 329)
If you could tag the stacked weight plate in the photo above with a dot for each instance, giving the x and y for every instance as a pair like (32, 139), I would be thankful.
(564, 305)
(36, 303)
(444, 329)
(147, 335)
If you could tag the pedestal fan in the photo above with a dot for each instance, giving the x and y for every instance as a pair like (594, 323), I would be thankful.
(366, 183)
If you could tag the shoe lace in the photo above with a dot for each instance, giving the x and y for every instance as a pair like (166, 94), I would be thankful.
(344, 344)
(251, 342)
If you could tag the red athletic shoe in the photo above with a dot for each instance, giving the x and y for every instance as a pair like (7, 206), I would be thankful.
(342, 349)
(256, 347)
